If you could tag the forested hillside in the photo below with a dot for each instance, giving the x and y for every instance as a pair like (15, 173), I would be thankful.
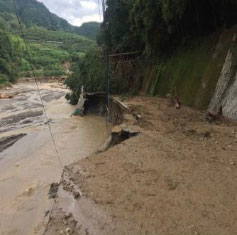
(12, 49)
(51, 41)
(161, 25)
(89, 30)
(34, 13)
(180, 44)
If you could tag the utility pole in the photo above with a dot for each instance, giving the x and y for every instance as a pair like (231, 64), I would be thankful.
(107, 64)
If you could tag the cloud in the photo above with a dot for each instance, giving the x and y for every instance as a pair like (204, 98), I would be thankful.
(89, 5)
(75, 12)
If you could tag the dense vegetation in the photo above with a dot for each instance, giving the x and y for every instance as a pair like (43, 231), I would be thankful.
(172, 33)
(12, 49)
(33, 12)
(49, 49)
(64, 40)
(160, 25)
(88, 71)
(89, 30)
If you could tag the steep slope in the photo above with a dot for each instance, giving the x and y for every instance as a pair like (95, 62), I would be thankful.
(194, 71)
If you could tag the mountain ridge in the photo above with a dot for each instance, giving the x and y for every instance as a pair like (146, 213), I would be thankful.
(51, 41)
(34, 13)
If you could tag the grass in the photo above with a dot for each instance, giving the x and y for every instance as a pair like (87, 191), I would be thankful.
(47, 60)
(194, 70)
(62, 40)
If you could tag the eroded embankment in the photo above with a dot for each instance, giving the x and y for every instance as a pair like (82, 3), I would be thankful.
(71, 205)
(178, 176)
(97, 103)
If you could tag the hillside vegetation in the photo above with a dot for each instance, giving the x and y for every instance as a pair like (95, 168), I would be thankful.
(12, 49)
(184, 44)
(35, 13)
(90, 29)
(51, 42)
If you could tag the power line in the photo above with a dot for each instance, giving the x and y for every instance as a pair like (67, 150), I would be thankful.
(36, 82)
(107, 62)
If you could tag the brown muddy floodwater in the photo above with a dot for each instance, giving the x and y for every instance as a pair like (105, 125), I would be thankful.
(29, 164)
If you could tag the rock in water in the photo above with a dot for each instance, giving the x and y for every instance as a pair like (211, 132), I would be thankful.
(53, 191)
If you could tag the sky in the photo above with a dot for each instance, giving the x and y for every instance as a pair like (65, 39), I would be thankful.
(76, 12)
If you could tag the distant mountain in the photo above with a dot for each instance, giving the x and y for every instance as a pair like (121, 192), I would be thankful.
(34, 13)
(90, 29)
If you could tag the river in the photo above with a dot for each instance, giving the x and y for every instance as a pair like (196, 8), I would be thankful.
(30, 165)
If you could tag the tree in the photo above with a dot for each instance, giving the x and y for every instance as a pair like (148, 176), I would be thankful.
(159, 26)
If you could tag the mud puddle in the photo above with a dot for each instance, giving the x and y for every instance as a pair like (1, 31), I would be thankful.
(29, 165)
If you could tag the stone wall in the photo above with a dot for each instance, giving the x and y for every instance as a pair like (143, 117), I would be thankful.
(226, 90)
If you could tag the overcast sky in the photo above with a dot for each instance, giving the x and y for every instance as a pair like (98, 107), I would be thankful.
(75, 12)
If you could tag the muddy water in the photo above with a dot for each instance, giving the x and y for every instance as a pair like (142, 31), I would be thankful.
(30, 165)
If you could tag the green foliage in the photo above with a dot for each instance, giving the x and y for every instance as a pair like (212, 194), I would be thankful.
(33, 12)
(46, 59)
(3, 80)
(89, 30)
(11, 49)
(49, 49)
(63, 40)
(193, 71)
(88, 71)
(158, 26)
(116, 27)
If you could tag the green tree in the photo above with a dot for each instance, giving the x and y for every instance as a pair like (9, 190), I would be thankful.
(88, 71)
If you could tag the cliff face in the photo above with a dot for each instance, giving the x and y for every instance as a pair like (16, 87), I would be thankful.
(226, 90)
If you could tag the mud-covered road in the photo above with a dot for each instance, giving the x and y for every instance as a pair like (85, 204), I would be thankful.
(178, 176)
(28, 162)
